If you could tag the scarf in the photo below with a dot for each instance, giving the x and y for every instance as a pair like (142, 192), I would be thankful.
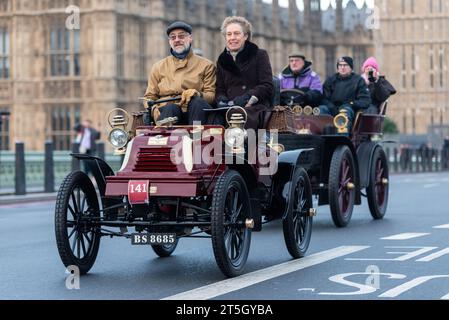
(182, 55)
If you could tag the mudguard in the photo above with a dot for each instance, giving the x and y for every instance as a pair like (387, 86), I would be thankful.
(100, 170)
(287, 163)
(365, 154)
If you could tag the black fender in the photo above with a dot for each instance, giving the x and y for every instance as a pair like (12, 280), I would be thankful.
(365, 154)
(331, 143)
(288, 161)
(100, 170)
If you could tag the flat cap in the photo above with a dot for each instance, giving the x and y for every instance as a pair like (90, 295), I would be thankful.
(297, 55)
(179, 25)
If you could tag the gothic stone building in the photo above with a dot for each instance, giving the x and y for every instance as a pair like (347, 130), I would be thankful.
(54, 74)
(412, 44)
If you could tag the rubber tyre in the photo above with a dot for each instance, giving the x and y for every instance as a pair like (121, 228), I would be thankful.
(76, 185)
(164, 251)
(297, 224)
(377, 191)
(230, 243)
(341, 199)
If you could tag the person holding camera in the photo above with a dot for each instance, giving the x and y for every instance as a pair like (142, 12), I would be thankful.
(379, 87)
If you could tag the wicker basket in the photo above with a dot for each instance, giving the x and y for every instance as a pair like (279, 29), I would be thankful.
(281, 119)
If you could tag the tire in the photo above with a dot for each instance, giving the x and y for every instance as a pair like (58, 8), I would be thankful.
(77, 241)
(341, 197)
(165, 250)
(230, 243)
(377, 190)
(297, 224)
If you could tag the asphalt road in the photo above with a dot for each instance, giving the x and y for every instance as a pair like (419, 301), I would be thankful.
(403, 256)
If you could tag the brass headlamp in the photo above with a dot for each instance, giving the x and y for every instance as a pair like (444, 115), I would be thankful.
(118, 120)
(341, 121)
(235, 135)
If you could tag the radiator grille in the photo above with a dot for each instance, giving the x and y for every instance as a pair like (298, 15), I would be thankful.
(154, 159)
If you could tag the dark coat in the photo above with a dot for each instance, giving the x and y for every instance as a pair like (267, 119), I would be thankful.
(250, 74)
(351, 90)
(381, 91)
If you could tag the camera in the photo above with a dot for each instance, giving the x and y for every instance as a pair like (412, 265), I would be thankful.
(371, 77)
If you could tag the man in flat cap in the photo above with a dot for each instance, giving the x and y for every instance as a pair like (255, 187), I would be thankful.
(184, 74)
(299, 75)
(346, 91)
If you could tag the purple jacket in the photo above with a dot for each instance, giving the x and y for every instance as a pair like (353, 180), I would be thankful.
(307, 80)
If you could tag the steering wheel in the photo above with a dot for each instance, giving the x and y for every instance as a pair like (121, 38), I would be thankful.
(293, 91)
(290, 95)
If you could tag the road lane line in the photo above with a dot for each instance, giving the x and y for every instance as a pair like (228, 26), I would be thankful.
(434, 256)
(443, 226)
(405, 236)
(397, 291)
(229, 285)
(431, 185)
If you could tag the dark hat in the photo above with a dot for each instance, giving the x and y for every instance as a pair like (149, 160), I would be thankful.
(348, 60)
(297, 55)
(179, 25)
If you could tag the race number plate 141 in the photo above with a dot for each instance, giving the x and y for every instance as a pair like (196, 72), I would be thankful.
(138, 191)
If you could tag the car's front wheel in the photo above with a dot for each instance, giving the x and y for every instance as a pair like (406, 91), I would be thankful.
(230, 237)
(297, 224)
(342, 186)
(77, 238)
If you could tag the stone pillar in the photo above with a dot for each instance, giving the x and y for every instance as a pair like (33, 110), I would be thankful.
(292, 16)
(339, 17)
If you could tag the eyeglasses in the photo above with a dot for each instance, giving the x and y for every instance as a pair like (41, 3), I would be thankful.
(343, 65)
(180, 36)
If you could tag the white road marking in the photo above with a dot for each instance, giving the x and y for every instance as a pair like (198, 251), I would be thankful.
(443, 226)
(405, 236)
(307, 289)
(431, 185)
(434, 256)
(393, 293)
(404, 255)
(249, 279)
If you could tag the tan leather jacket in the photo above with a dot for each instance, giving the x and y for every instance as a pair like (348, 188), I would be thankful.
(171, 76)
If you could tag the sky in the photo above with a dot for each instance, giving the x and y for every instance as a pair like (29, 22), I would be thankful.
(325, 3)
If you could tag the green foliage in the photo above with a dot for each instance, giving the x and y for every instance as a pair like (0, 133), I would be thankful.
(390, 127)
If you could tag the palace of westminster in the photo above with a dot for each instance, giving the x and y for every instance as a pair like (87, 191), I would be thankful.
(56, 72)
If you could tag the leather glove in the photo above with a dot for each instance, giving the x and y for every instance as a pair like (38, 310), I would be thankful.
(242, 100)
(155, 113)
(186, 96)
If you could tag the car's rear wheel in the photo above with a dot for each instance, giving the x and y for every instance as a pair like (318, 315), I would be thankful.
(77, 239)
(377, 190)
(230, 209)
(165, 250)
(342, 186)
(297, 224)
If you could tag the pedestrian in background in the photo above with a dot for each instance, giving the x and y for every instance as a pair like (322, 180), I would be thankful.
(87, 138)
